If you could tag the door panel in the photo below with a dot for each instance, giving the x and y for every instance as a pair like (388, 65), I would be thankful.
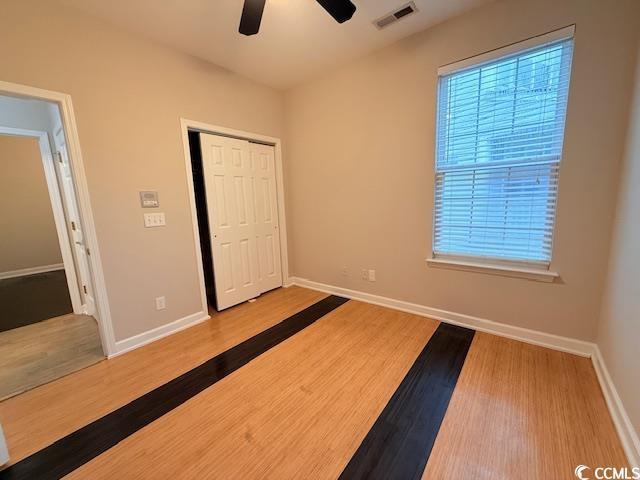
(226, 169)
(241, 201)
(267, 233)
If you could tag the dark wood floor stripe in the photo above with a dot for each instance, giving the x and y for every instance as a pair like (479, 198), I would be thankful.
(79, 447)
(400, 441)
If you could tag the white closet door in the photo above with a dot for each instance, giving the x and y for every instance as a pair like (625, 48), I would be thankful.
(266, 231)
(242, 206)
(230, 191)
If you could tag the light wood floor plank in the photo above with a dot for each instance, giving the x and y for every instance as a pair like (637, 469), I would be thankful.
(522, 411)
(44, 351)
(298, 411)
(40, 416)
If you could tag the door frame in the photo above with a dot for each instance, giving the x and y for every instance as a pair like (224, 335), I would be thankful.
(187, 125)
(65, 105)
(59, 218)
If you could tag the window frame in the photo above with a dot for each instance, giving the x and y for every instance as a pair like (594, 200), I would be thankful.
(529, 269)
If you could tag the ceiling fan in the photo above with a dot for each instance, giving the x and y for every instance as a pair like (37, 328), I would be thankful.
(340, 10)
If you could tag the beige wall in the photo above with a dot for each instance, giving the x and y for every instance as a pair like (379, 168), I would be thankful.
(620, 323)
(358, 150)
(128, 95)
(29, 237)
(360, 158)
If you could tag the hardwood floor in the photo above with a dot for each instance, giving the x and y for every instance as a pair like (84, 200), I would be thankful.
(399, 443)
(39, 417)
(33, 298)
(298, 411)
(41, 352)
(76, 449)
(522, 411)
(304, 407)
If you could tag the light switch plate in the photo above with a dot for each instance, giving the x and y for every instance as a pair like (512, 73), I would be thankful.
(155, 219)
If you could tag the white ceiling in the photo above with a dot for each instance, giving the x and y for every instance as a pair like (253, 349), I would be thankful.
(297, 39)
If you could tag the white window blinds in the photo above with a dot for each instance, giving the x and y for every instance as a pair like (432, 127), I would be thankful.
(498, 150)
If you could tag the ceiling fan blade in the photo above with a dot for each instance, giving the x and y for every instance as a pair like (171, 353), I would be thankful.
(340, 10)
(251, 16)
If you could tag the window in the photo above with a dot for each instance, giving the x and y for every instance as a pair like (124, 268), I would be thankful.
(498, 150)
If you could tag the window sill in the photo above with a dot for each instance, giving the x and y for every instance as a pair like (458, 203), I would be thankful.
(535, 274)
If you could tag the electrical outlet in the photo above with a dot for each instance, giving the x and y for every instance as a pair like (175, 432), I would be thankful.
(372, 275)
(364, 274)
(344, 272)
(160, 303)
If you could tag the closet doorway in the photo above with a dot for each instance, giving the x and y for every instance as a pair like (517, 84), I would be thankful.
(236, 197)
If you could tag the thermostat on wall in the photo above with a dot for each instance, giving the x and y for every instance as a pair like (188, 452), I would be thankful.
(149, 199)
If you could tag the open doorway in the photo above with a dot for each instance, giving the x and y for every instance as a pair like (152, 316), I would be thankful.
(47, 321)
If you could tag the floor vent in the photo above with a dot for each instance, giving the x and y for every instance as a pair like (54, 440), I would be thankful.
(401, 12)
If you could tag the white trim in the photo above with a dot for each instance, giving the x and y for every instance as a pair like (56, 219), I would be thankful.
(103, 313)
(548, 340)
(137, 341)
(4, 451)
(185, 126)
(55, 199)
(626, 431)
(23, 272)
(494, 269)
(518, 47)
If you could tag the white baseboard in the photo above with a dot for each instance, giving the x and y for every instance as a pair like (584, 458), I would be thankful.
(31, 271)
(626, 431)
(628, 435)
(556, 342)
(131, 343)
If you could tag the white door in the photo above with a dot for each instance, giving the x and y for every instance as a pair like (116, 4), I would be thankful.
(267, 234)
(242, 210)
(65, 178)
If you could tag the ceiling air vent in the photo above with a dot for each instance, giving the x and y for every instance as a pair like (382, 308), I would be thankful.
(401, 12)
